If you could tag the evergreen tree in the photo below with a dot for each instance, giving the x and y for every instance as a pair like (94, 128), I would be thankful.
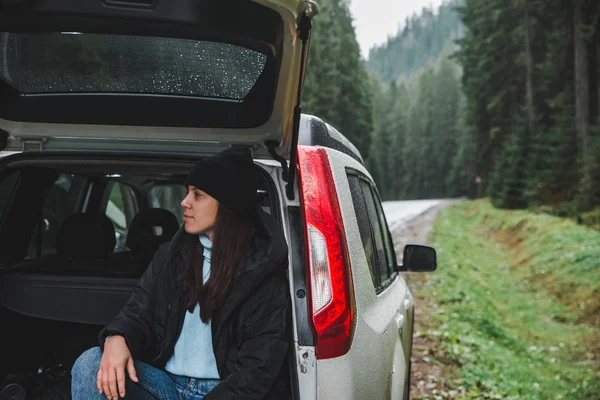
(508, 178)
(397, 166)
(320, 88)
(492, 79)
(373, 160)
(337, 85)
(444, 125)
(461, 180)
(552, 170)
(419, 182)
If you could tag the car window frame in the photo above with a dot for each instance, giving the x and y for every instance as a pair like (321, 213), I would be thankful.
(380, 286)
(130, 194)
(385, 283)
(37, 238)
(127, 193)
(177, 212)
(393, 262)
(372, 262)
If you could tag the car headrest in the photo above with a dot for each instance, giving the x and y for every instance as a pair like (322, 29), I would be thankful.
(150, 228)
(86, 236)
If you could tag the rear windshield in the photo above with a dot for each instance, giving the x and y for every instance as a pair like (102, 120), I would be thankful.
(73, 62)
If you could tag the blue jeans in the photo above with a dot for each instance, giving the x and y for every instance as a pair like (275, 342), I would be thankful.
(153, 383)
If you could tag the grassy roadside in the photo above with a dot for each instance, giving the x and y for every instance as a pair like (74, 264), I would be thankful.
(514, 306)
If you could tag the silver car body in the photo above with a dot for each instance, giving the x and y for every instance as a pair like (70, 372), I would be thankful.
(377, 364)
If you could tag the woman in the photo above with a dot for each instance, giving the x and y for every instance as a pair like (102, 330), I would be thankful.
(209, 318)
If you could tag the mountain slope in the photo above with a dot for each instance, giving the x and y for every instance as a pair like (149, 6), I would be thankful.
(423, 38)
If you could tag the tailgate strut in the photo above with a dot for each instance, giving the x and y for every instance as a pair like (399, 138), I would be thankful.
(289, 173)
(304, 29)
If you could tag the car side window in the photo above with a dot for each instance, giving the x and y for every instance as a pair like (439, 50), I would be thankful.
(373, 230)
(121, 208)
(64, 198)
(383, 270)
(388, 243)
(364, 227)
(168, 197)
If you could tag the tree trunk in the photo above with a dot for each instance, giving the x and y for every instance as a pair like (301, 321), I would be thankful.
(598, 77)
(529, 64)
(582, 101)
(594, 68)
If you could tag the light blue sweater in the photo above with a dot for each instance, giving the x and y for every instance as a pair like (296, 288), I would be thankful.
(194, 356)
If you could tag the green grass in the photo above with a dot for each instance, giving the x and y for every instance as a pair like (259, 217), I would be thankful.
(518, 303)
(591, 219)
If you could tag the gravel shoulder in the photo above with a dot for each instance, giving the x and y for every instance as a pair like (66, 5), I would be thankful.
(426, 375)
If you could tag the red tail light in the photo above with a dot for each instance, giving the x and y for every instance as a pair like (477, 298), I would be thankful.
(331, 288)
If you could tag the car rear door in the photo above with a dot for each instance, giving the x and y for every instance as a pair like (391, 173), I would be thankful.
(376, 365)
(393, 293)
(388, 303)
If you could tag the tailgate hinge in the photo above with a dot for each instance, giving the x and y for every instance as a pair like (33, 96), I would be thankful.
(271, 145)
(32, 143)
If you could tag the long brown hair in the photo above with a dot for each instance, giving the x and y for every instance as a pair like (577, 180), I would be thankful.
(231, 240)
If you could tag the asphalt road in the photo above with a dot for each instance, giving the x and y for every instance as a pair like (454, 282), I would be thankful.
(410, 222)
(398, 213)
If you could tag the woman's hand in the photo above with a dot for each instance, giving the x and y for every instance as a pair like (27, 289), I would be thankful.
(111, 375)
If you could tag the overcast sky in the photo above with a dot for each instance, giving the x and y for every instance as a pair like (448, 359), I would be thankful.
(375, 20)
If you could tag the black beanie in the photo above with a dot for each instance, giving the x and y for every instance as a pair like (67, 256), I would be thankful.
(230, 178)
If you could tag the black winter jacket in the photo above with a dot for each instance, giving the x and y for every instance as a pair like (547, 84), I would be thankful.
(250, 330)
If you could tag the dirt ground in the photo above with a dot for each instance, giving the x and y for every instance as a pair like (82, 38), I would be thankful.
(429, 376)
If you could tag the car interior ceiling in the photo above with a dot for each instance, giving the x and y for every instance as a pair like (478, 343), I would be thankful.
(61, 276)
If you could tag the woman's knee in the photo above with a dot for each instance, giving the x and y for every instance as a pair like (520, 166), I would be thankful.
(88, 363)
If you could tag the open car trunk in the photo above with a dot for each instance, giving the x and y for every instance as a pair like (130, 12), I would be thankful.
(63, 277)
(100, 95)
(98, 74)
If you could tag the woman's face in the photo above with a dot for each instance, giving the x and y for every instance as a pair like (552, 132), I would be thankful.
(199, 212)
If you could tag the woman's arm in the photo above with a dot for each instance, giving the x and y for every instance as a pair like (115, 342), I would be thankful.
(264, 346)
(134, 322)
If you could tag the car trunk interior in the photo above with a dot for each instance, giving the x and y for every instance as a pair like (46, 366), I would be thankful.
(76, 234)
